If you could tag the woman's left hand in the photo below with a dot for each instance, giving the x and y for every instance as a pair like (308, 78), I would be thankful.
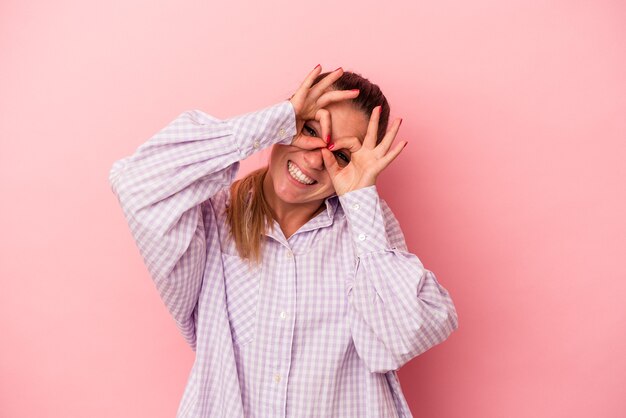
(367, 160)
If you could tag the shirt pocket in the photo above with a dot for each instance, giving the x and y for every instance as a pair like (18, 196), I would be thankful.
(242, 295)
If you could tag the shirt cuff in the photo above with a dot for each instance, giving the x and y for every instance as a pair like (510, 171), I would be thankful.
(257, 130)
(365, 219)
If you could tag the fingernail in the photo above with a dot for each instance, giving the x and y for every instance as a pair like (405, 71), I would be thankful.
(400, 122)
(316, 66)
(327, 139)
(331, 146)
(405, 144)
(338, 68)
(380, 109)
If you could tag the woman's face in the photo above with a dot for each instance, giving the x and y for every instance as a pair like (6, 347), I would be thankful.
(298, 176)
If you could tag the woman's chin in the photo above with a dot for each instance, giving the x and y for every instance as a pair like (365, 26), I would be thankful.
(293, 196)
(288, 196)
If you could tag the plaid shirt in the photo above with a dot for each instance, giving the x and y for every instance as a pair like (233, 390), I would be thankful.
(321, 326)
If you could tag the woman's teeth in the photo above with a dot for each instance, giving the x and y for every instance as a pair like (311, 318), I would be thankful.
(299, 175)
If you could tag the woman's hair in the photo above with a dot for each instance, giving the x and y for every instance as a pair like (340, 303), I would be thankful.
(248, 213)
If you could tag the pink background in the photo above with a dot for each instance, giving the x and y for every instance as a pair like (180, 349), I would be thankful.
(511, 188)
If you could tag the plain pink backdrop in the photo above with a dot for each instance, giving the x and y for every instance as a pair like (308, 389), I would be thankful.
(511, 188)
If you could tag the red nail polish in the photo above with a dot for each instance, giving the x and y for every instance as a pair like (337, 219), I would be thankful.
(316, 66)
(400, 122)
(331, 146)
(405, 144)
(327, 139)
(338, 68)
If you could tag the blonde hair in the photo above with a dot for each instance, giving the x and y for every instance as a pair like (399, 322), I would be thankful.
(249, 215)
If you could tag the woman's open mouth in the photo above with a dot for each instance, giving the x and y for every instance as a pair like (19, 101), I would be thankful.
(298, 175)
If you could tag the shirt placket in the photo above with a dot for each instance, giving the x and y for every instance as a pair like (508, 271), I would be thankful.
(284, 320)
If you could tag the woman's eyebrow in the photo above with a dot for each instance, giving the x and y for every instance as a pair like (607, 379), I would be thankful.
(314, 123)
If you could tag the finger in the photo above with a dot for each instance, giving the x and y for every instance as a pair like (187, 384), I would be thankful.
(307, 83)
(351, 143)
(324, 83)
(372, 128)
(323, 116)
(330, 162)
(391, 155)
(387, 140)
(336, 96)
(310, 78)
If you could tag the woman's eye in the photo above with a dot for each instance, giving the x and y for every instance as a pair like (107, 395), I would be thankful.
(342, 156)
(309, 131)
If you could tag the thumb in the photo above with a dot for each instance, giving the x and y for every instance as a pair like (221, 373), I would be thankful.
(330, 162)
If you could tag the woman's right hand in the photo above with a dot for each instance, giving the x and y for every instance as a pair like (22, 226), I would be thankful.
(309, 102)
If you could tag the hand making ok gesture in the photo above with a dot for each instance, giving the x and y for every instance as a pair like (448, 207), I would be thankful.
(309, 103)
(367, 159)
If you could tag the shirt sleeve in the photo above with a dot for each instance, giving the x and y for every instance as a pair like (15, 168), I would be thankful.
(164, 190)
(397, 309)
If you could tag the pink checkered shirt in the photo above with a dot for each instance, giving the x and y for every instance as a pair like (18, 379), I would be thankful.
(320, 328)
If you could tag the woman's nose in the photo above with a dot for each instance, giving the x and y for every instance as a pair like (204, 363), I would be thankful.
(314, 159)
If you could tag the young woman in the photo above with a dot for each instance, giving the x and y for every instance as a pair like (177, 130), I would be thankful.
(293, 285)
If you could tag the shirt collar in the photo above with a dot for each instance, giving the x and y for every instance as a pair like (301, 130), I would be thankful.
(323, 219)
(332, 204)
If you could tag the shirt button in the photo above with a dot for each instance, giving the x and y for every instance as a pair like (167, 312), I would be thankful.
(362, 237)
(289, 254)
(277, 378)
(256, 144)
(281, 132)
(356, 206)
(283, 315)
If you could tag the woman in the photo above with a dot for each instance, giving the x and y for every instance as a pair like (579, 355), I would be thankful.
(293, 285)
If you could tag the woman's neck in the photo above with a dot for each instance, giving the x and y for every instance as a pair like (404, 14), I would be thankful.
(290, 216)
